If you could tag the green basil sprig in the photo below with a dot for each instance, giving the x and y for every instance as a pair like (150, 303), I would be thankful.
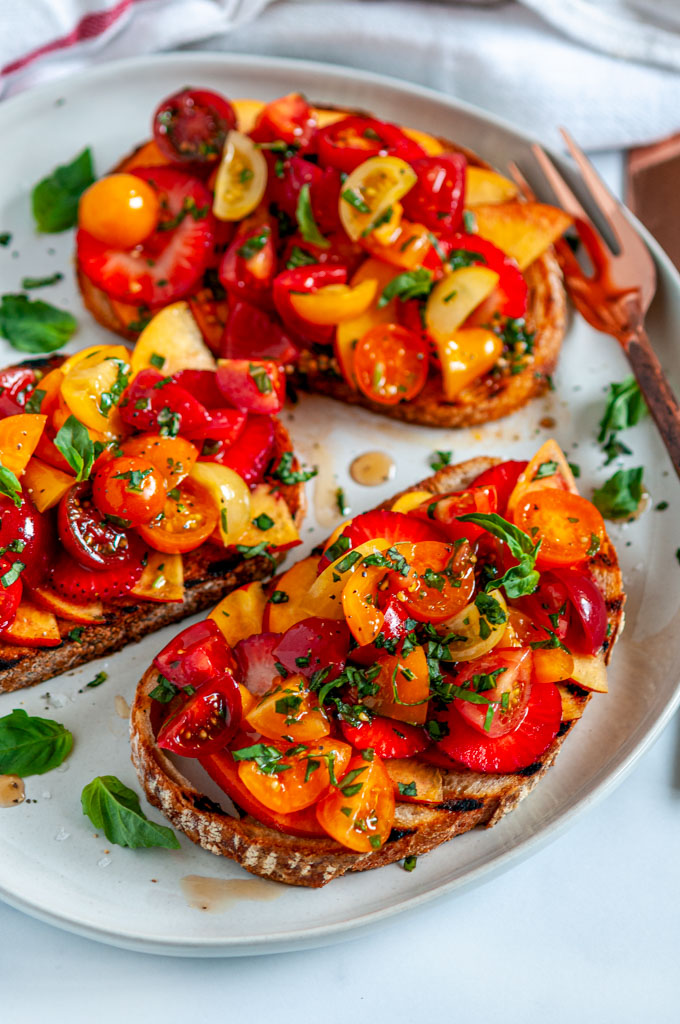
(33, 325)
(116, 811)
(32, 746)
(55, 199)
(75, 444)
(520, 579)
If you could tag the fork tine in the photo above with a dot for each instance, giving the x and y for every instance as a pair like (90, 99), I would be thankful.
(565, 196)
(519, 179)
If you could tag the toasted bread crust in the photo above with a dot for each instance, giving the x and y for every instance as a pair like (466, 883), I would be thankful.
(470, 798)
(210, 572)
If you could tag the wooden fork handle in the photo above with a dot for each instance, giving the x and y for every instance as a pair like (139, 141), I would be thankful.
(662, 403)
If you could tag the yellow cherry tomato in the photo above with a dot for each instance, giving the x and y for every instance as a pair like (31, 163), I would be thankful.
(452, 300)
(172, 341)
(120, 209)
(241, 179)
(349, 332)
(369, 192)
(93, 384)
(467, 355)
(231, 496)
(336, 303)
(405, 246)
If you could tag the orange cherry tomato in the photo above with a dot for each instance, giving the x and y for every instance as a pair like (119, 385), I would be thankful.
(390, 364)
(440, 579)
(292, 778)
(404, 687)
(173, 457)
(359, 813)
(290, 709)
(188, 519)
(359, 604)
(569, 527)
(129, 488)
(120, 209)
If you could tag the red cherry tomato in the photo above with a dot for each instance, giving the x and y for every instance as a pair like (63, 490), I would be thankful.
(77, 583)
(93, 540)
(392, 526)
(253, 386)
(225, 427)
(196, 655)
(445, 511)
(306, 279)
(437, 198)
(192, 125)
(289, 119)
(347, 143)
(130, 488)
(11, 589)
(257, 661)
(171, 261)
(206, 722)
(246, 323)
(251, 456)
(502, 679)
(516, 750)
(286, 179)
(248, 266)
(16, 386)
(341, 250)
(156, 403)
(512, 288)
(570, 604)
(503, 478)
(30, 533)
(569, 527)
(440, 580)
(313, 644)
(203, 383)
(391, 364)
(387, 737)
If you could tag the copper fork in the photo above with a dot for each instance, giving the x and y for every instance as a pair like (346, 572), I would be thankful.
(616, 296)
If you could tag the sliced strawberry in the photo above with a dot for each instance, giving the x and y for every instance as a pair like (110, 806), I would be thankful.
(202, 384)
(313, 644)
(387, 737)
(156, 403)
(250, 456)
(172, 260)
(252, 385)
(257, 661)
(250, 332)
(76, 583)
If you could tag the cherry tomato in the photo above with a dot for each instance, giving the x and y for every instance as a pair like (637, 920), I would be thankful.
(569, 527)
(11, 589)
(251, 456)
(248, 266)
(393, 526)
(294, 785)
(77, 583)
(156, 403)
(189, 517)
(120, 209)
(390, 364)
(206, 722)
(191, 126)
(440, 579)
(257, 661)
(510, 296)
(173, 457)
(17, 383)
(93, 540)
(359, 813)
(286, 179)
(196, 655)
(314, 644)
(503, 478)
(445, 511)
(502, 678)
(129, 488)
(253, 386)
(387, 737)
(26, 536)
(203, 383)
(172, 260)
(515, 750)
(246, 322)
(289, 119)
(241, 179)
(349, 142)
(436, 200)
(570, 604)
(210, 313)
(290, 709)
(306, 279)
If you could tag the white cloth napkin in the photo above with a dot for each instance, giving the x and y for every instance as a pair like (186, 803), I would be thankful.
(500, 56)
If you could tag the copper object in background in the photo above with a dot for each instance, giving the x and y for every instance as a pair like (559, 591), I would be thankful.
(653, 191)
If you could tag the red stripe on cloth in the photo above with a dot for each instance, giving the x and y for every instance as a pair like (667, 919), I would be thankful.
(89, 27)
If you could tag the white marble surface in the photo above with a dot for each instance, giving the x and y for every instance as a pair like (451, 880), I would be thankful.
(588, 928)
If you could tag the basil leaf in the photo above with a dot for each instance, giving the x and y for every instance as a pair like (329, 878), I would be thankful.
(41, 282)
(305, 218)
(75, 444)
(55, 199)
(620, 495)
(625, 407)
(34, 325)
(115, 809)
(440, 460)
(412, 284)
(32, 746)
(9, 485)
(521, 579)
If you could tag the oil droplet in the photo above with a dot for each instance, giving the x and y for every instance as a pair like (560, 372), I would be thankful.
(372, 469)
(122, 706)
(213, 895)
(12, 791)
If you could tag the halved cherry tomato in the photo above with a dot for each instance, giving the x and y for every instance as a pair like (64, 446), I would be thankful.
(306, 279)
(246, 323)
(77, 583)
(371, 191)
(154, 402)
(515, 750)
(206, 722)
(17, 383)
(569, 527)
(347, 143)
(189, 517)
(386, 737)
(297, 778)
(404, 686)
(241, 180)
(253, 386)
(360, 605)
(93, 540)
(359, 812)
(251, 456)
(393, 526)
(249, 264)
(172, 259)
(334, 304)
(129, 488)
(446, 509)
(503, 478)
(120, 210)
(11, 589)
(406, 245)
(289, 119)
(173, 457)
(440, 579)
(511, 289)
(196, 655)
(437, 198)
(390, 364)
(26, 536)
(569, 604)
(314, 644)
(292, 710)
(191, 126)
(287, 178)
(499, 685)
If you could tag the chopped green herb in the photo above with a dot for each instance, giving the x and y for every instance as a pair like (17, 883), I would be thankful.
(279, 597)
(546, 469)
(355, 200)
(10, 486)
(255, 550)
(34, 400)
(411, 284)
(263, 381)
(40, 282)
(263, 522)
(165, 691)
(407, 788)
(340, 501)
(254, 244)
(286, 475)
(299, 258)
(100, 678)
(410, 863)
(458, 258)
(157, 361)
(305, 218)
(439, 460)
(12, 574)
(75, 634)
(469, 222)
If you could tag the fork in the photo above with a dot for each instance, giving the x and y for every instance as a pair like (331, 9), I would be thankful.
(618, 293)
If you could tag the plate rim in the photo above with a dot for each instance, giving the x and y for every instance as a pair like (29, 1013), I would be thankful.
(320, 935)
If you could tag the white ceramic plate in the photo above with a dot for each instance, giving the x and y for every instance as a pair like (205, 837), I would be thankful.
(51, 864)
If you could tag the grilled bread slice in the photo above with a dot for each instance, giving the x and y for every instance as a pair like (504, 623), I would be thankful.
(469, 798)
(210, 572)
